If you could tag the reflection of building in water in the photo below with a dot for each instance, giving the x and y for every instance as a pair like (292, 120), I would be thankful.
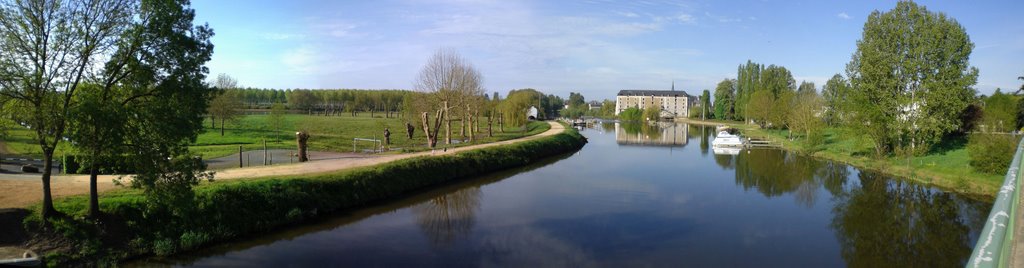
(652, 134)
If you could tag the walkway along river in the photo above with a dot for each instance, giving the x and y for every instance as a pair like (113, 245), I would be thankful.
(640, 195)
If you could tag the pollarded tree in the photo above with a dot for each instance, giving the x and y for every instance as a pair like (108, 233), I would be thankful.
(910, 77)
(451, 81)
(725, 99)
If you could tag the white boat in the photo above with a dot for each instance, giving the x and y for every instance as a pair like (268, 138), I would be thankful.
(726, 139)
(726, 150)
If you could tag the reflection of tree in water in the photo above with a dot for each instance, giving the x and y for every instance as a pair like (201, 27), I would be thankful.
(892, 223)
(445, 218)
(608, 126)
(704, 134)
(776, 172)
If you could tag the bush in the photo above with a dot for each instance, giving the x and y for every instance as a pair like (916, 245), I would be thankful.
(991, 153)
(631, 114)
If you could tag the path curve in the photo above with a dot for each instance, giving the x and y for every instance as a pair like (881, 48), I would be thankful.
(24, 190)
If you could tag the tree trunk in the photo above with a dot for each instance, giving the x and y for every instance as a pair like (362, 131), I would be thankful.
(490, 125)
(447, 126)
(213, 122)
(94, 198)
(431, 140)
(462, 129)
(222, 126)
(47, 210)
(471, 133)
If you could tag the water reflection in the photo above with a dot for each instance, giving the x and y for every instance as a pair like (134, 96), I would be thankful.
(652, 134)
(449, 217)
(616, 206)
(892, 223)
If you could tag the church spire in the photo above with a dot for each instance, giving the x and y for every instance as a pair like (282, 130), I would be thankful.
(673, 85)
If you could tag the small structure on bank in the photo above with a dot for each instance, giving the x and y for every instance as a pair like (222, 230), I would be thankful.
(301, 137)
(531, 113)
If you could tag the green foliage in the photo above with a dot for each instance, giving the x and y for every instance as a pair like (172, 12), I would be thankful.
(1000, 112)
(631, 114)
(896, 100)
(806, 88)
(516, 103)
(705, 105)
(834, 93)
(992, 153)
(652, 113)
(748, 80)
(725, 100)
(607, 109)
(759, 107)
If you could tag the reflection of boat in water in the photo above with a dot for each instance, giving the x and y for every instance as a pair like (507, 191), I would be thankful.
(726, 150)
(726, 138)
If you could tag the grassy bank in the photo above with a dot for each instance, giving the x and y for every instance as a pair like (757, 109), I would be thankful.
(946, 166)
(229, 209)
(328, 133)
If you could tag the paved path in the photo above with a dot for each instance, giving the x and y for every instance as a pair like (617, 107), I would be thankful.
(23, 190)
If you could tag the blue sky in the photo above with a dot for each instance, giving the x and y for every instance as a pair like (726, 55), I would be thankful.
(595, 47)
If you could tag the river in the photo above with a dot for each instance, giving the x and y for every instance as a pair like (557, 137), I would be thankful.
(638, 195)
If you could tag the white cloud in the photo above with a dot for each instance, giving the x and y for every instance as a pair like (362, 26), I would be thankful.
(629, 14)
(281, 36)
(722, 19)
(843, 15)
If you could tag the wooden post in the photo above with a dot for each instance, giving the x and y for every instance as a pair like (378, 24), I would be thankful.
(265, 152)
(239, 156)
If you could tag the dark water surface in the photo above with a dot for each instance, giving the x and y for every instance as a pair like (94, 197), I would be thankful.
(639, 195)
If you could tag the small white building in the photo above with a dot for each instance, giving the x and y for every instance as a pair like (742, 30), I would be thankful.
(531, 113)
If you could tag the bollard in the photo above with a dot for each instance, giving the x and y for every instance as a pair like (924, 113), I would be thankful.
(239, 156)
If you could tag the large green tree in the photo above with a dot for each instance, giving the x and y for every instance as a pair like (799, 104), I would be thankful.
(725, 99)
(47, 49)
(1000, 112)
(705, 104)
(748, 80)
(910, 77)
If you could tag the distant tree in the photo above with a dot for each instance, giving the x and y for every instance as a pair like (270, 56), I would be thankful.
(607, 108)
(834, 94)
(806, 88)
(896, 99)
(576, 100)
(276, 118)
(451, 81)
(304, 100)
(227, 104)
(803, 114)
(725, 99)
(652, 113)
(632, 114)
(748, 80)
(1000, 112)
(759, 107)
(705, 105)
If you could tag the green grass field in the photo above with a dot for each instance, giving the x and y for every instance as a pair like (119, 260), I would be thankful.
(327, 133)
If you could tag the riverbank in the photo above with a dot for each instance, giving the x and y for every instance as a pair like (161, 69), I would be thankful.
(228, 209)
(947, 169)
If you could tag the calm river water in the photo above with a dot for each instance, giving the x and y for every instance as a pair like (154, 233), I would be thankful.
(639, 195)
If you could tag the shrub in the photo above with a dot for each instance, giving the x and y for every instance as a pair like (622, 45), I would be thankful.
(991, 153)
(631, 114)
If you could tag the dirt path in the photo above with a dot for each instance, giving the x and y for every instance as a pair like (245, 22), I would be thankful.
(18, 191)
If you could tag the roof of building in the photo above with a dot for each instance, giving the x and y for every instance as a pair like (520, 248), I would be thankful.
(641, 92)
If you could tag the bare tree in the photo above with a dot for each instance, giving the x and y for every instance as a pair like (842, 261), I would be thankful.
(47, 48)
(450, 80)
(226, 105)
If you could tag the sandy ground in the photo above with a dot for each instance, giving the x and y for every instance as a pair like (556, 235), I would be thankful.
(18, 191)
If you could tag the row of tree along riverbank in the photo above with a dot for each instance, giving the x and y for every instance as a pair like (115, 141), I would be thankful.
(224, 210)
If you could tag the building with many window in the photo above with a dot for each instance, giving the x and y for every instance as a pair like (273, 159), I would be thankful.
(672, 103)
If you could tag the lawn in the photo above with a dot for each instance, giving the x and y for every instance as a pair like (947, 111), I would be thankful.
(327, 133)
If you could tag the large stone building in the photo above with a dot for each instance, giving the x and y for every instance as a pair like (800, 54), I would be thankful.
(671, 103)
